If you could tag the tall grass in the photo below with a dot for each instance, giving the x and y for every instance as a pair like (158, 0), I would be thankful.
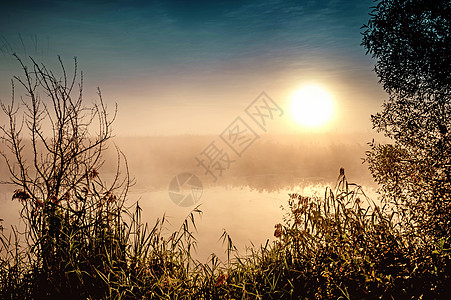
(338, 246)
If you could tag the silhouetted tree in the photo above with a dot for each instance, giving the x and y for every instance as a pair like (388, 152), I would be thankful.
(52, 146)
(411, 40)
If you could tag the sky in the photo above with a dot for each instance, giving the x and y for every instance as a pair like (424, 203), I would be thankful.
(192, 67)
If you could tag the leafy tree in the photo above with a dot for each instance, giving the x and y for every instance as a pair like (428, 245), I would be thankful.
(411, 41)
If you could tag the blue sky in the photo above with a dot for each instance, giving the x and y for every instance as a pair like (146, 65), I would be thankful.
(192, 66)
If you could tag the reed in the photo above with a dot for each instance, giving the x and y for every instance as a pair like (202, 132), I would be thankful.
(339, 246)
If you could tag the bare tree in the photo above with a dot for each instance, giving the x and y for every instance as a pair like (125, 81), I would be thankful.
(53, 145)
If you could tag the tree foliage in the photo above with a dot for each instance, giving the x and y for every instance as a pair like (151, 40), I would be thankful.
(411, 41)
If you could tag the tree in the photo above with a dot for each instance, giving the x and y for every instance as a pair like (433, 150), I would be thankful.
(411, 41)
(52, 146)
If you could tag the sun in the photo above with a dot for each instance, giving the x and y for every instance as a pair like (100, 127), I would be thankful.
(311, 106)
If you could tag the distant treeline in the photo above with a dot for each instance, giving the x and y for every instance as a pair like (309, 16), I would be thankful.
(271, 163)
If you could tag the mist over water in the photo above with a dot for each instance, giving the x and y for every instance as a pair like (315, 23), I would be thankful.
(246, 200)
(272, 163)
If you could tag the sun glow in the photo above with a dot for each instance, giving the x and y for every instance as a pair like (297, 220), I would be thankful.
(311, 106)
